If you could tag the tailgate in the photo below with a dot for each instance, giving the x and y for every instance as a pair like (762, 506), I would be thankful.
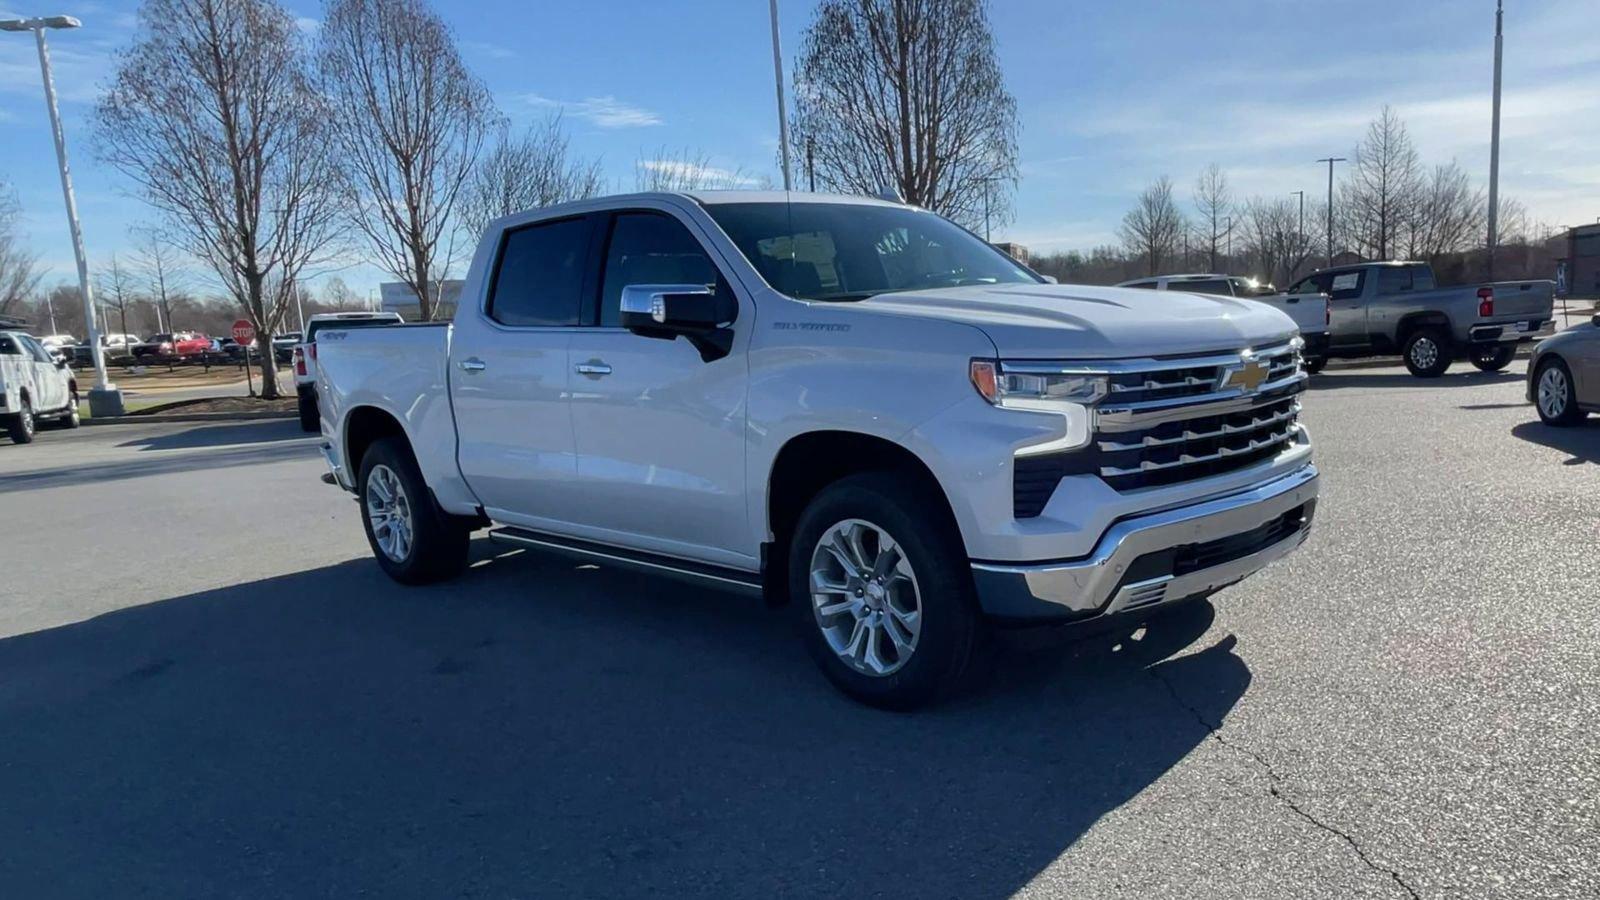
(1531, 300)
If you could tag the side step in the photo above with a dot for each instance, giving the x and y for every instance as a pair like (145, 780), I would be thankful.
(681, 569)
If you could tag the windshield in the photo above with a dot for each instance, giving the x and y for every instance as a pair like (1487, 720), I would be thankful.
(850, 251)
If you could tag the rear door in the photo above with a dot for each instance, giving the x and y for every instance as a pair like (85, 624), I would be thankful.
(660, 432)
(509, 376)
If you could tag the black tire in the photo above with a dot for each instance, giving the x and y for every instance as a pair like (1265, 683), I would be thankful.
(1314, 364)
(1561, 407)
(949, 622)
(70, 419)
(1427, 353)
(1493, 359)
(438, 541)
(20, 425)
(310, 416)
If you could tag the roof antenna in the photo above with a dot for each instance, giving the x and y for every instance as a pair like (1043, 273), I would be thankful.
(891, 193)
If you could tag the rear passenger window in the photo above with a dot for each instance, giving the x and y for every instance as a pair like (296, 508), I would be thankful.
(539, 278)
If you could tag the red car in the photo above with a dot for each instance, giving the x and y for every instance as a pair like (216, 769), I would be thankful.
(190, 344)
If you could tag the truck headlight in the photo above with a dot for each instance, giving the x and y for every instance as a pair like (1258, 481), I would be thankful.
(1025, 390)
(1066, 394)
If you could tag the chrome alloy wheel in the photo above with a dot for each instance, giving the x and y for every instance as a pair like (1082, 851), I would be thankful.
(1424, 352)
(26, 418)
(865, 597)
(1553, 392)
(389, 511)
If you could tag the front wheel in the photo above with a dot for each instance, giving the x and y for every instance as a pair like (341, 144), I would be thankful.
(1554, 394)
(1427, 353)
(1314, 364)
(414, 541)
(20, 425)
(70, 418)
(1493, 359)
(881, 591)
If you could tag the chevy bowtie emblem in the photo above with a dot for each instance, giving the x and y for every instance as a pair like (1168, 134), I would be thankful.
(1246, 376)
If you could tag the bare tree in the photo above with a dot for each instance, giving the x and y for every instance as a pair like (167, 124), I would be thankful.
(686, 170)
(114, 289)
(908, 95)
(1381, 192)
(526, 171)
(1274, 241)
(338, 297)
(19, 267)
(1152, 230)
(1213, 201)
(212, 113)
(410, 121)
(164, 277)
(1447, 216)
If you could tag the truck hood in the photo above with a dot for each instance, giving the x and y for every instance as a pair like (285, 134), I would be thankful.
(1068, 321)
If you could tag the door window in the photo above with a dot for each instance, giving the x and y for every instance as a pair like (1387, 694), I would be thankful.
(538, 280)
(650, 248)
(9, 346)
(1347, 285)
(33, 349)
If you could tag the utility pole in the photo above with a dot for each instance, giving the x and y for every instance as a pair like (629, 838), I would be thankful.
(783, 114)
(811, 165)
(1227, 254)
(986, 183)
(104, 398)
(1494, 141)
(1330, 161)
(1300, 237)
(50, 304)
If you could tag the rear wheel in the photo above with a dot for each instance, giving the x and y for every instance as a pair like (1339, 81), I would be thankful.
(882, 593)
(20, 425)
(1554, 394)
(413, 540)
(1493, 359)
(70, 419)
(1427, 353)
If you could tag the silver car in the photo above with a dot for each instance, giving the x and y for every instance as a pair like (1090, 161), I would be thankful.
(1564, 375)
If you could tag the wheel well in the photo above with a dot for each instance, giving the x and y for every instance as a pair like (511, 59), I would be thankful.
(1414, 321)
(364, 426)
(810, 462)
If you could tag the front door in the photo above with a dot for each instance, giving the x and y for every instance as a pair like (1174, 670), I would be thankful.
(508, 376)
(49, 384)
(660, 432)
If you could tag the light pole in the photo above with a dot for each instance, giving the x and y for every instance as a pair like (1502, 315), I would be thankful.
(1330, 161)
(104, 398)
(783, 115)
(1300, 236)
(1494, 142)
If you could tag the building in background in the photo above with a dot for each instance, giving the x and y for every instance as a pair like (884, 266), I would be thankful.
(1582, 262)
(398, 297)
(1015, 251)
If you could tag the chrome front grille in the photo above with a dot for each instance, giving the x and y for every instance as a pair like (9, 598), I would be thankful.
(1169, 421)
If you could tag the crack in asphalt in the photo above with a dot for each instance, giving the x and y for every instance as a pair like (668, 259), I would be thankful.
(1276, 789)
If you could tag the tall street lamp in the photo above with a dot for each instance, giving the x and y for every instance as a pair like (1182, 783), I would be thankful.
(1330, 160)
(104, 398)
(783, 115)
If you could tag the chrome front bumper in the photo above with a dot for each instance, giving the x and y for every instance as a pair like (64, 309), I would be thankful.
(1161, 557)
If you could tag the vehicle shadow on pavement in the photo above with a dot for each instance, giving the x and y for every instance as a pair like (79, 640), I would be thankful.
(1328, 381)
(541, 728)
(213, 435)
(166, 464)
(1581, 441)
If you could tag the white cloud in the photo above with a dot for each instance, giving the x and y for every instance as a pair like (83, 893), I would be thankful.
(307, 25)
(487, 50)
(602, 112)
(707, 176)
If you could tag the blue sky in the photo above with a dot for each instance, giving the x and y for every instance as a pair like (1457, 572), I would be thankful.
(1110, 96)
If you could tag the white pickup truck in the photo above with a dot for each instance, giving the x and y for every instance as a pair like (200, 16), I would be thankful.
(852, 407)
(33, 385)
(1308, 310)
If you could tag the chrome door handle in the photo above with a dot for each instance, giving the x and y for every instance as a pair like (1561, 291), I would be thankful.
(594, 368)
(473, 364)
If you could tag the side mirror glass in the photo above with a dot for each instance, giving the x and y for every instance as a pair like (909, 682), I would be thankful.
(1050, 279)
(693, 311)
(61, 364)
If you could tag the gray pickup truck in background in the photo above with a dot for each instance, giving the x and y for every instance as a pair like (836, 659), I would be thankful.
(1383, 308)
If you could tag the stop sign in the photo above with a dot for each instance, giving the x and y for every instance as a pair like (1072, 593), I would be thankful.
(243, 331)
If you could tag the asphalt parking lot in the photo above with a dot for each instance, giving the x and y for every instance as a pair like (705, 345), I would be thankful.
(207, 688)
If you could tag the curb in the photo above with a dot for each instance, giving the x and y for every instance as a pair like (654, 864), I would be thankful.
(136, 419)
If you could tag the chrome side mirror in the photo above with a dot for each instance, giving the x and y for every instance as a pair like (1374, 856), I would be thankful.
(692, 311)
